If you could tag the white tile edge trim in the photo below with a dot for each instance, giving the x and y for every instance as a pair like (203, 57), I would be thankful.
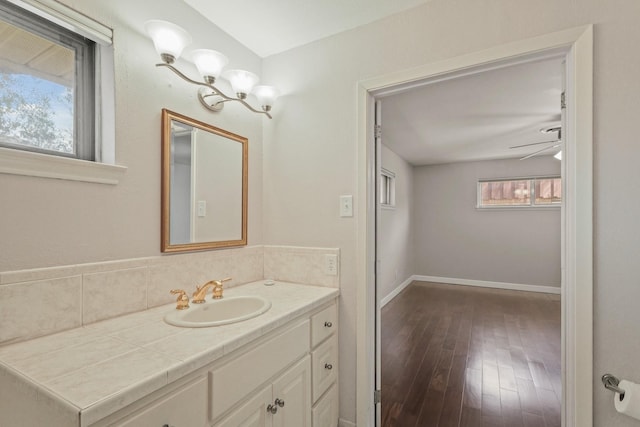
(16, 162)
(394, 293)
(487, 284)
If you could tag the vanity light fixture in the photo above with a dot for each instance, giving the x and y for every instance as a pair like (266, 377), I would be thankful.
(170, 40)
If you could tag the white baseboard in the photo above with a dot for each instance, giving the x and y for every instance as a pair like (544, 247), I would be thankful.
(486, 284)
(394, 293)
(345, 423)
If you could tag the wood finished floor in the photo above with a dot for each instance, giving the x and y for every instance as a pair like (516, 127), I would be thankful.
(470, 357)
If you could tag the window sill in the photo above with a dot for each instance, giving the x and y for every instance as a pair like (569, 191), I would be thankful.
(25, 163)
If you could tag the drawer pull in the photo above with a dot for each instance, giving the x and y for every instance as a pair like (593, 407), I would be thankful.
(279, 402)
(328, 324)
(328, 366)
(272, 409)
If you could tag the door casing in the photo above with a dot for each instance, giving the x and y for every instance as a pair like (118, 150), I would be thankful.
(577, 214)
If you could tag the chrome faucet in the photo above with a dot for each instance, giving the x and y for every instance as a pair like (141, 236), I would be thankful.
(201, 291)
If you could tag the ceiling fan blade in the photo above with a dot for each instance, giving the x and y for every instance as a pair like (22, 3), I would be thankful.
(540, 151)
(536, 143)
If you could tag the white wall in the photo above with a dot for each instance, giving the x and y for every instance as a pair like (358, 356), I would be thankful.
(310, 148)
(454, 239)
(395, 236)
(48, 222)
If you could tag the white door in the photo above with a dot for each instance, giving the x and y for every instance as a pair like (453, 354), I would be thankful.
(378, 339)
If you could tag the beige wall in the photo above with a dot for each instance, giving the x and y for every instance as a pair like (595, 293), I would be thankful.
(395, 234)
(454, 239)
(310, 150)
(48, 222)
(310, 147)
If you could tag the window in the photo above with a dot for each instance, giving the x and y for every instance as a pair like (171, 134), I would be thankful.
(520, 192)
(387, 189)
(46, 86)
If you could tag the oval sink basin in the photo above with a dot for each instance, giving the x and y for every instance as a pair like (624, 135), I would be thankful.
(219, 312)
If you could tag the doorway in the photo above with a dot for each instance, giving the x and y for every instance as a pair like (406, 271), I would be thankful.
(458, 220)
(577, 373)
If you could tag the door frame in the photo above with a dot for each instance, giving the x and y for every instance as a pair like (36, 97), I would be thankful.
(577, 216)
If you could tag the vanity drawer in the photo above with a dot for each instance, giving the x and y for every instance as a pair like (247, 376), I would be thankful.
(324, 324)
(325, 412)
(187, 406)
(241, 376)
(324, 366)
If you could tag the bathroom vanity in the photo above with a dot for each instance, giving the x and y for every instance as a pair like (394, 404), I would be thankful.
(277, 369)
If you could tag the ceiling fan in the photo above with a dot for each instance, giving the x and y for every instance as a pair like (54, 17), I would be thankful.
(555, 143)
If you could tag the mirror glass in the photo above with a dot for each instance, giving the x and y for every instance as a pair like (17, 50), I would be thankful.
(204, 185)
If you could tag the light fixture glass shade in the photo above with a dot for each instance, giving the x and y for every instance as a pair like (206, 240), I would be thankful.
(210, 63)
(558, 155)
(266, 95)
(241, 81)
(168, 39)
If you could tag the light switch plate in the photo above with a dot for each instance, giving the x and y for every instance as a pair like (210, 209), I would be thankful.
(346, 206)
(202, 208)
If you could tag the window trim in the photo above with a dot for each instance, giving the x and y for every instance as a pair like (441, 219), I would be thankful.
(391, 189)
(531, 206)
(103, 169)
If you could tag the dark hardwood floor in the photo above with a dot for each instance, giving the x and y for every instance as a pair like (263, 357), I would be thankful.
(470, 357)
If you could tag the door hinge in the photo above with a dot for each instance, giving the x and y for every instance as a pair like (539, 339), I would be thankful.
(378, 131)
(377, 397)
(563, 101)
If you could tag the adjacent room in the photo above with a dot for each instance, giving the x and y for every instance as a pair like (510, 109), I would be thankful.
(469, 249)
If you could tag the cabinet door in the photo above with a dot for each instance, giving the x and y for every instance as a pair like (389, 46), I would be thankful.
(293, 389)
(253, 413)
(325, 413)
(186, 407)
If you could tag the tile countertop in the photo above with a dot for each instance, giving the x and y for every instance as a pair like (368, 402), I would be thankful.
(100, 368)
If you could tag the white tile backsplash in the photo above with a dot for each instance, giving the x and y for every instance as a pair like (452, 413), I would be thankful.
(300, 265)
(66, 297)
(113, 293)
(33, 309)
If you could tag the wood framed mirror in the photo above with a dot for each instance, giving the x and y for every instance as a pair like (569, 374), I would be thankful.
(204, 185)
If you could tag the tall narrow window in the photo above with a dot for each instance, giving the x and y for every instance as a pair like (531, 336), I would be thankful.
(387, 188)
(47, 86)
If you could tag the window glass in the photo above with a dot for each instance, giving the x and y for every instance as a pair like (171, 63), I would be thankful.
(505, 193)
(46, 86)
(520, 192)
(387, 188)
(548, 191)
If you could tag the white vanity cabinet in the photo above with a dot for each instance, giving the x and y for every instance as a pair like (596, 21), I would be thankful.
(287, 378)
(279, 369)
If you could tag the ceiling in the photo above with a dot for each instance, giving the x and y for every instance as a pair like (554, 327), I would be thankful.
(475, 117)
(270, 27)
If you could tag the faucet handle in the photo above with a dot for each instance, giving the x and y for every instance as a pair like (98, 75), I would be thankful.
(218, 288)
(182, 302)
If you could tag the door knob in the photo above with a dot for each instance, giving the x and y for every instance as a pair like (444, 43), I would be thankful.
(279, 402)
(272, 408)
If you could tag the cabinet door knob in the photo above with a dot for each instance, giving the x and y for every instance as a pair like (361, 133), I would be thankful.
(328, 324)
(279, 402)
(328, 366)
(272, 409)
